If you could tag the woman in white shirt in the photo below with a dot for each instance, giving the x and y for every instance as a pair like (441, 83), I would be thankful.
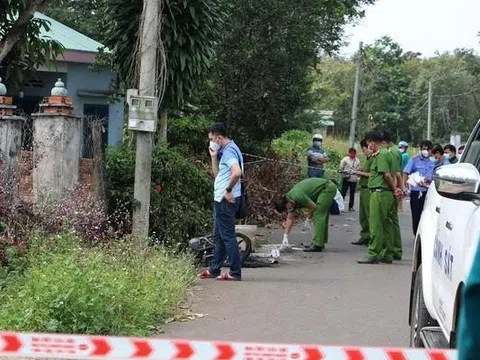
(348, 168)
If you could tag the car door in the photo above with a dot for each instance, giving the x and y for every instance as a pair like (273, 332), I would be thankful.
(456, 230)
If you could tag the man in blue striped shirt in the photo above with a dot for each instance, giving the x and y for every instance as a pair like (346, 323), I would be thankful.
(227, 164)
(422, 164)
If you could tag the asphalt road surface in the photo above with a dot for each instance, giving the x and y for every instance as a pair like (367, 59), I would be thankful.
(323, 298)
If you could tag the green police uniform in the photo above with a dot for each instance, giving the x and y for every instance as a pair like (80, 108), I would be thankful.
(321, 192)
(469, 323)
(394, 224)
(365, 202)
(381, 202)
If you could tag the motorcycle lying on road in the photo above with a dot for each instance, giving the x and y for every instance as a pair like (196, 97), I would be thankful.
(203, 247)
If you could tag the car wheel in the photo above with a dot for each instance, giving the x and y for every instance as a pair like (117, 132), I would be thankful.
(420, 316)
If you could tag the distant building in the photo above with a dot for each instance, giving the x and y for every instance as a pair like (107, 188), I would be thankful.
(88, 89)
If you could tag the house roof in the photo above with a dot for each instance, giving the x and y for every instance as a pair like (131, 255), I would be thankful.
(71, 39)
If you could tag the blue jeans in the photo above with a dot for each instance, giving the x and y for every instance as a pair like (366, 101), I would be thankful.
(225, 238)
(315, 172)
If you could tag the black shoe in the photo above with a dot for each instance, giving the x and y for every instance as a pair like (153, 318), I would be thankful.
(385, 261)
(351, 209)
(368, 260)
(360, 242)
(314, 248)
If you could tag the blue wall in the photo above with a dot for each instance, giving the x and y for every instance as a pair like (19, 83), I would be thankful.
(78, 77)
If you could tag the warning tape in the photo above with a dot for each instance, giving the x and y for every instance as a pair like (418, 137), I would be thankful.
(105, 347)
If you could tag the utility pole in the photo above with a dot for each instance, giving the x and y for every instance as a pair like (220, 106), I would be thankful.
(356, 92)
(147, 87)
(429, 120)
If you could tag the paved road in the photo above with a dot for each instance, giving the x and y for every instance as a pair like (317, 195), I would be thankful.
(323, 298)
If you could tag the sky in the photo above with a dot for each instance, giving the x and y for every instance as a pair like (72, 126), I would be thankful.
(424, 26)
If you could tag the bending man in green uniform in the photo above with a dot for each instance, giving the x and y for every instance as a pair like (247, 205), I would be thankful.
(383, 190)
(316, 195)
(364, 174)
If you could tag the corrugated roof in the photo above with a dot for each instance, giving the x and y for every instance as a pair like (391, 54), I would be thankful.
(69, 38)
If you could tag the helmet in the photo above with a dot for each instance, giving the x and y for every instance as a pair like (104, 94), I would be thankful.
(317, 137)
(402, 144)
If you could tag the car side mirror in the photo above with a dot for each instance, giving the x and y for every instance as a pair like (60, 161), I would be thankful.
(459, 181)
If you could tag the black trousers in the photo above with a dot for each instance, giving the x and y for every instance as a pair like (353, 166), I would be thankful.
(353, 187)
(417, 201)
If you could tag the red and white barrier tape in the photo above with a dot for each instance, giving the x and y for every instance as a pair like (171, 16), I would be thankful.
(105, 347)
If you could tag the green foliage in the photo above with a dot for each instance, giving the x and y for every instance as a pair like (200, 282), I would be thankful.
(190, 29)
(261, 76)
(394, 92)
(82, 16)
(64, 287)
(31, 50)
(332, 89)
(294, 145)
(181, 197)
(189, 133)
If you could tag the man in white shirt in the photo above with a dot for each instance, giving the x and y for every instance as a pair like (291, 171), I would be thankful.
(348, 168)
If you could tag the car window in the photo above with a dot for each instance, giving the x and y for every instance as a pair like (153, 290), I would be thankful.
(472, 150)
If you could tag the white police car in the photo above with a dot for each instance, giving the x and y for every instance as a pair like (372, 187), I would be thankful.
(445, 245)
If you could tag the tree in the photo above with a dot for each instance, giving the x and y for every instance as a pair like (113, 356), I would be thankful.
(189, 31)
(332, 89)
(22, 49)
(262, 73)
(385, 90)
(81, 15)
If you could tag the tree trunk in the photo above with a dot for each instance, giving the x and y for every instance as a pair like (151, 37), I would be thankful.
(13, 35)
(163, 126)
(98, 161)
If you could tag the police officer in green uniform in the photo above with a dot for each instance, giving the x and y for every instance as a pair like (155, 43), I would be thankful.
(364, 174)
(316, 195)
(469, 323)
(394, 223)
(383, 190)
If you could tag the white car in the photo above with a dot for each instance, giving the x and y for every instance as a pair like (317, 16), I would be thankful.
(445, 246)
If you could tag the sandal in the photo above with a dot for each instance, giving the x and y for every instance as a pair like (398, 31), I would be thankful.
(228, 277)
(206, 274)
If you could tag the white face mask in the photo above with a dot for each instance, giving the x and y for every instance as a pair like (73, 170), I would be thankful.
(214, 146)
(402, 150)
(425, 153)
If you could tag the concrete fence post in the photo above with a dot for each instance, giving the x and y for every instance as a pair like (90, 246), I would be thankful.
(57, 136)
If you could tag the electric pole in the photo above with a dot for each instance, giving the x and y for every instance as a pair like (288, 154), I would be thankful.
(147, 87)
(356, 92)
(429, 120)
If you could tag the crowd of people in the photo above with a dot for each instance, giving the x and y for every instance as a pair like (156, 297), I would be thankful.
(386, 177)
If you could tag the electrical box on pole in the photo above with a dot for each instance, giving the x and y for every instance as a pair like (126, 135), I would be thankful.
(142, 112)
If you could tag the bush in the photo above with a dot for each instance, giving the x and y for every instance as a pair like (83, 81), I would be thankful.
(181, 198)
(62, 286)
(294, 145)
(189, 134)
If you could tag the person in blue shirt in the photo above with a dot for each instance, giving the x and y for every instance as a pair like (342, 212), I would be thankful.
(421, 164)
(403, 147)
(227, 164)
(440, 157)
(316, 158)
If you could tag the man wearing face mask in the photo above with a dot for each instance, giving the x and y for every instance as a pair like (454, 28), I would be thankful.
(451, 152)
(403, 147)
(227, 163)
(383, 190)
(439, 156)
(422, 165)
(317, 196)
(316, 158)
